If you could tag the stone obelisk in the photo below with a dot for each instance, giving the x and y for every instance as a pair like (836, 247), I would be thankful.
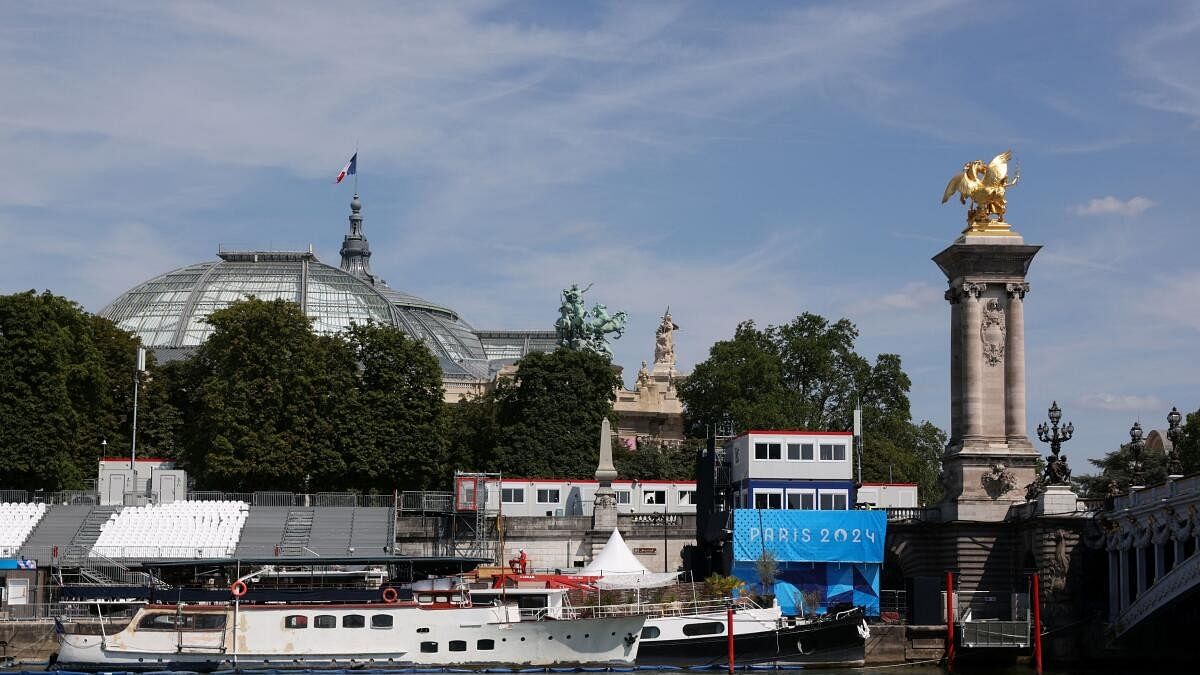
(604, 506)
(989, 459)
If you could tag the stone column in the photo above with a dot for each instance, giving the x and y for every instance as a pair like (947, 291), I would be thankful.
(1014, 381)
(1139, 552)
(1124, 580)
(954, 297)
(1160, 561)
(972, 351)
(1114, 585)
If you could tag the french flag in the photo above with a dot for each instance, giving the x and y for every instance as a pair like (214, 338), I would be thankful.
(350, 169)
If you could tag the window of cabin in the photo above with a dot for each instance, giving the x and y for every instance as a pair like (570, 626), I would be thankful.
(654, 496)
(802, 501)
(624, 496)
(354, 621)
(833, 452)
(458, 645)
(423, 629)
(206, 621)
(768, 451)
(381, 621)
(793, 451)
(512, 495)
(768, 500)
(706, 628)
(650, 632)
(833, 501)
(325, 621)
(687, 497)
(428, 647)
(485, 645)
(295, 621)
(424, 599)
(162, 621)
(547, 495)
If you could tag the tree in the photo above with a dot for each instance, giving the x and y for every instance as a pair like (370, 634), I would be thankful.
(1117, 467)
(657, 461)
(548, 416)
(395, 421)
(267, 401)
(66, 382)
(806, 375)
(1189, 446)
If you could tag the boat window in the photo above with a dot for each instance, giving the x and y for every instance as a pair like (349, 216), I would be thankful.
(353, 621)
(706, 628)
(650, 632)
(485, 645)
(428, 647)
(173, 621)
(206, 621)
(381, 621)
(296, 621)
(423, 629)
(325, 621)
(531, 601)
(443, 598)
(458, 645)
(424, 598)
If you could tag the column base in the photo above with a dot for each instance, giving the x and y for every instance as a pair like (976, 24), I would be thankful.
(1056, 500)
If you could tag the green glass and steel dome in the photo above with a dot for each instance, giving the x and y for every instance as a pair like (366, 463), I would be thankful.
(168, 311)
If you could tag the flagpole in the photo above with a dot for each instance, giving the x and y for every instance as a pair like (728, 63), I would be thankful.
(356, 166)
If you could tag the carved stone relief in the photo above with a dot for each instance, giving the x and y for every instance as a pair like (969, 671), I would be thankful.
(998, 481)
(992, 332)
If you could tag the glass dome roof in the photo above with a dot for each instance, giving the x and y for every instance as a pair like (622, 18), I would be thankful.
(168, 311)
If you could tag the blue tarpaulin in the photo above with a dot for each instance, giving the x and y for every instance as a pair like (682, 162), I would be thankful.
(810, 536)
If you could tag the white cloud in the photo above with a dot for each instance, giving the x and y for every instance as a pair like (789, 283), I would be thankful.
(1121, 402)
(1110, 205)
(913, 296)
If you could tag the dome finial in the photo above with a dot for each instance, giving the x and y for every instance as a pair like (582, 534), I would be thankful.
(356, 252)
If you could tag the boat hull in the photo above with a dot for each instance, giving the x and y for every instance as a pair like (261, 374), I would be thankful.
(833, 642)
(470, 638)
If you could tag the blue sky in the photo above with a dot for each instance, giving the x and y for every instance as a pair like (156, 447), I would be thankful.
(732, 160)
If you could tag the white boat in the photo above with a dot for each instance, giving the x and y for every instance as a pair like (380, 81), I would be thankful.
(435, 628)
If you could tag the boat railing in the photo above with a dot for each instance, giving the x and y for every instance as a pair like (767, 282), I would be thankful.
(648, 609)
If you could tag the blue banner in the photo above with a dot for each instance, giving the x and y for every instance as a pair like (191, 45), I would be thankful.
(14, 564)
(810, 536)
(807, 589)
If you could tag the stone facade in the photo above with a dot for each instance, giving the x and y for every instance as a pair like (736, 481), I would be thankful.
(989, 456)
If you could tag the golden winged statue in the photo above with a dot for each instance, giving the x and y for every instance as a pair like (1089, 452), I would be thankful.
(984, 185)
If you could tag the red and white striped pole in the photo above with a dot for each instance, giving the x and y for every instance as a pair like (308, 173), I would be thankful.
(949, 620)
(729, 631)
(1037, 624)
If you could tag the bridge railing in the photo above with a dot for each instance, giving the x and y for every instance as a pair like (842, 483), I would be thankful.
(923, 514)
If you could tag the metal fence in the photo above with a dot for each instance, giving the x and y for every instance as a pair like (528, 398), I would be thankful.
(426, 502)
(266, 498)
(893, 606)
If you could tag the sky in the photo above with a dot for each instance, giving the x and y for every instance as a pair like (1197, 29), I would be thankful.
(734, 161)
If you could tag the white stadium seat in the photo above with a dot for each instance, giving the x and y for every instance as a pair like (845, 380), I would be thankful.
(17, 520)
(208, 529)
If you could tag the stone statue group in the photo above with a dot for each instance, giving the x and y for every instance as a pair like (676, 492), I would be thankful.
(579, 329)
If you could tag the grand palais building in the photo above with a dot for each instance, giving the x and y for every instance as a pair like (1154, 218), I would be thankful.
(168, 312)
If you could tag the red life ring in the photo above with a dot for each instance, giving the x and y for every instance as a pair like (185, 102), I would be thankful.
(390, 596)
(238, 588)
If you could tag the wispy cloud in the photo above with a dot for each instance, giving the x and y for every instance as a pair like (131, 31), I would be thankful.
(1111, 205)
(1121, 402)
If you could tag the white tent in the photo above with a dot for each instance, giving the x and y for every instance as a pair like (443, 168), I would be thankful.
(619, 568)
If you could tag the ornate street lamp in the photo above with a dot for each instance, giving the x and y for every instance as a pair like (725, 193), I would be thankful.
(1057, 472)
(1136, 446)
(1175, 434)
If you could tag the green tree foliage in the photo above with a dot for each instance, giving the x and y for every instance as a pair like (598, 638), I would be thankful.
(264, 398)
(657, 461)
(66, 383)
(806, 375)
(1189, 447)
(270, 405)
(548, 417)
(395, 418)
(1117, 467)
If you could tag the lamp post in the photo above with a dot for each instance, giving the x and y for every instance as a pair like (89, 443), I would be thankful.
(1136, 446)
(1057, 472)
(1175, 434)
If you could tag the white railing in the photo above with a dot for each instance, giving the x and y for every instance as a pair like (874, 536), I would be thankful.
(653, 610)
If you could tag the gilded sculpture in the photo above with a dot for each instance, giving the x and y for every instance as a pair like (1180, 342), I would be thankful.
(985, 186)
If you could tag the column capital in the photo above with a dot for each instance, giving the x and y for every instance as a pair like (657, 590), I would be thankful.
(1017, 290)
(972, 289)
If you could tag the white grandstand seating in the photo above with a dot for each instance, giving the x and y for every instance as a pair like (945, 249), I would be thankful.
(17, 520)
(199, 529)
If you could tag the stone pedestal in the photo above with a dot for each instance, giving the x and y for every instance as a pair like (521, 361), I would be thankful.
(988, 438)
(1056, 500)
